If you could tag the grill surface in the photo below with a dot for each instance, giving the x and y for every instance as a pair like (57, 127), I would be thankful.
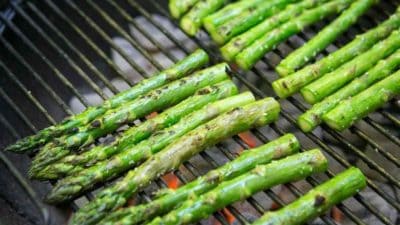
(56, 59)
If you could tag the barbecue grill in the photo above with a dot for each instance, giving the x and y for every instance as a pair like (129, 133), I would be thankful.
(57, 57)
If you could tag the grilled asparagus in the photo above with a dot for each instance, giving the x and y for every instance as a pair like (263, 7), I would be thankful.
(179, 8)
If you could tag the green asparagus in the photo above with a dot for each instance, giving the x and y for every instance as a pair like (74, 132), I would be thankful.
(71, 124)
(317, 201)
(247, 19)
(239, 119)
(312, 117)
(155, 100)
(309, 50)
(179, 8)
(289, 85)
(350, 110)
(276, 149)
(105, 170)
(240, 42)
(330, 82)
(289, 169)
(76, 162)
(192, 21)
(250, 55)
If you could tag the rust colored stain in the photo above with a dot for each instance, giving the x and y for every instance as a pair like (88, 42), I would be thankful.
(337, 215)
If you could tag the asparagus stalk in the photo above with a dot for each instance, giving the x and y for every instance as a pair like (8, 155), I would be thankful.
(317, 201)
(77, 183)
(76, 162)
(240, 42)
(178, 8)
(292, 168)
(247, 19)
(279, 148)
(155, 100)
(312, 117)
(239, 119)
(192, 21)
(301, 56)
(289, 85)
(330, 82)
(250, 55)
(71, 124)
(350, 110)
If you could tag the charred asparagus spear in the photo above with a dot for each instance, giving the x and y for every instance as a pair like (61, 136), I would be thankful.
(357, 107)
(247, 19)
(289, 169)
(276, 149)
(178, 8)
(250, 55)
(170, 158)
(102, 171)
(240, 42)
(330, 82)
(192, 21)
(155, 100)
(317, 201)
(312, 117)
(289, 85)
(309, 50)
(71, 124)
(76, 162)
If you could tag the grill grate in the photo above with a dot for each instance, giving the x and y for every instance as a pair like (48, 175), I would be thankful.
(54, 52)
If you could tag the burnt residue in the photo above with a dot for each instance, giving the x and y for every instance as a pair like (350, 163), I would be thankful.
(319, 200)
(96, 124)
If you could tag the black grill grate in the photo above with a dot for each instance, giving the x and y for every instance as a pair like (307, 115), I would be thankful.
(52, 52)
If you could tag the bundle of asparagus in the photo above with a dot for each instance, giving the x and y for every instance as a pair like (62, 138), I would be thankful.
(72, 124)
(317, 201)
(262, 177)
(155, 100)
(276, 149)
(239, 119)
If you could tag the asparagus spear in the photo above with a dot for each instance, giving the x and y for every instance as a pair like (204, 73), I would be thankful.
(76, 162)
(250, 55)
(289, 85)
(179, 8)
(292, 168)
(247, 19)
(312, 117)
(350, 110)
(317, 201)
(71, 124)
(240, 119)
(155, 100)
(301, 56)
(276, 149)
(330, 82)
(240, 42)
(191, 22)
(102, 171)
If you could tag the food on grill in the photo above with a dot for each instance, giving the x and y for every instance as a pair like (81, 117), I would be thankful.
(170, 158)
(317, 201)
(250, 17)
(285, 170)
(289, 85)
(350, 110)
(155, 100)
(77, 183)
(250, 55)
(309, 50)
(330, 82)
(192, 21)
(73, 123)
(76, 162)
(312, 117)
(276, 149)
(240, 42)
(180, 7)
